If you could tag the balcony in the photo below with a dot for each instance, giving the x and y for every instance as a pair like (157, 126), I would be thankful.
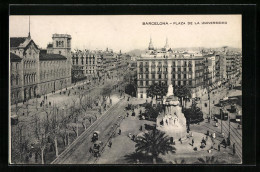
(159, 72)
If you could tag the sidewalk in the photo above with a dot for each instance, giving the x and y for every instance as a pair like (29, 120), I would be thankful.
(49, 94)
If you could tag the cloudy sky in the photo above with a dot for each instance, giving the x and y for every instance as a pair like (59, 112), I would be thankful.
(127, 32)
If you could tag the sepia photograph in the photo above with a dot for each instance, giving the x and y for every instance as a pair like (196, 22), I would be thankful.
(125, 89)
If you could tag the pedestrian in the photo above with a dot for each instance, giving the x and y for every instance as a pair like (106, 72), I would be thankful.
(214, 135)
(218, 147)
(192, 142)
(119, 131)
(141, 128)
(127, 114)
(207, 133)
(50, 103)
(180, 140)
(228, 141)
(110, 144)
(206, 138)
(133, 137)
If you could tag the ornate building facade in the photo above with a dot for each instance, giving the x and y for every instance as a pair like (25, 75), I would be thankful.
(87, 65)
(168, 67)
(24, 69)
(34, 72)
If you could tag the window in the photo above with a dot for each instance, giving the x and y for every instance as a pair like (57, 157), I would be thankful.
(141, 83)
(185, 76)
(166, 69)
(179, 83)
(141, 69)
(179, 76)
(179, 69)
(165, 76)
(160, 76)
(159, 69)
(173, 69)
(184, 82)
(146, 76)
(173, 76)
(153, 76)
(190, 83)
(146, 69)
(147, 83)
(190, 69)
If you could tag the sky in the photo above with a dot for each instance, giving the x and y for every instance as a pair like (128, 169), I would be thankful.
(127, 32)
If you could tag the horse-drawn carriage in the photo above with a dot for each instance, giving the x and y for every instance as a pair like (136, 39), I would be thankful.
(95, 136)
(95, 148)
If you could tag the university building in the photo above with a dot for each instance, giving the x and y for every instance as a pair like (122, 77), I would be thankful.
(169, 67)
(34, 72)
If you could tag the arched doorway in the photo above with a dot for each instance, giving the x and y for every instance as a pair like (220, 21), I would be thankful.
(35, 91)
(30, 92)
(25, 94)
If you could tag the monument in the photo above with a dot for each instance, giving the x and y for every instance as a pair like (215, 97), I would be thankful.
(172, 121)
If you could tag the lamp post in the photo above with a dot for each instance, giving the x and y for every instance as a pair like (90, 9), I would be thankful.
(228, 126)
(221, 115)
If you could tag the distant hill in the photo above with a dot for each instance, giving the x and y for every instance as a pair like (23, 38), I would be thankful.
(136, 52)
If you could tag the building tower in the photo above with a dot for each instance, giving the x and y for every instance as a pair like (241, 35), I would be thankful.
(166, 44)
(151, 45)
(62, 45)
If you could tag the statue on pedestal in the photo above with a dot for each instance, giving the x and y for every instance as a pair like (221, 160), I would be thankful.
(172, 121)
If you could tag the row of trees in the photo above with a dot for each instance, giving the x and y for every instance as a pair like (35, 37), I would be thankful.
(42, 130)
(159, 90)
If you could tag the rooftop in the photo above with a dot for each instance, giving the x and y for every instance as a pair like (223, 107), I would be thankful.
(48, 57)
(14, 57)
(16, 41)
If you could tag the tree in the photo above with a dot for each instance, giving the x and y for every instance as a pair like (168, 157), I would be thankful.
(193, 114)
(154, 143)
(183, 93)
(156, 90)
(178, 162)
(209, 160)
(152, 112)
